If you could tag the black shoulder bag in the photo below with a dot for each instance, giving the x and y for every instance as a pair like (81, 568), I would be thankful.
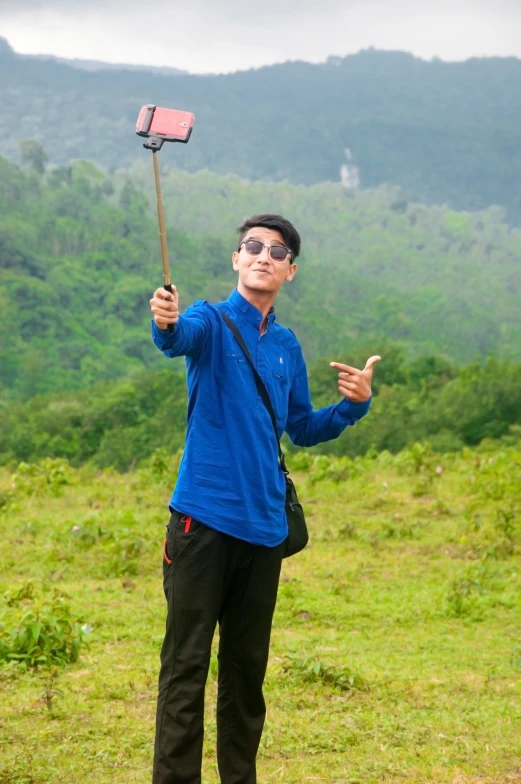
(298, 536)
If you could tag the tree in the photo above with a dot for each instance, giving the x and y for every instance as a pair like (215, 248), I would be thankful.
(33, 155)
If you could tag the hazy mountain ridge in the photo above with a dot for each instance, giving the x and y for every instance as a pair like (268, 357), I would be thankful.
(92, 65)
(448, 133)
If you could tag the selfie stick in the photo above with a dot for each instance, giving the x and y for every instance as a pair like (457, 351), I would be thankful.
(161, 218)
(173, 126)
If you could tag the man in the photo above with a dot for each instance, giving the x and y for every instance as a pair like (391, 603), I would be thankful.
(226, 534)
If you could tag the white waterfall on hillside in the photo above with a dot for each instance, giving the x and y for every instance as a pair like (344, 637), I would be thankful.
(349, 173)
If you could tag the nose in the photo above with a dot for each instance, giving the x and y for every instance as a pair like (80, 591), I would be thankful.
(264, 255)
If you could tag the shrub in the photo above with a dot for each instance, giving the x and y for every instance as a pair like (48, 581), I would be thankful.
(42, 635)
(493, 508)
(312, 670)
(333, 469)
(299, 461)
(47, 476)
(7, 500)
(463, 592)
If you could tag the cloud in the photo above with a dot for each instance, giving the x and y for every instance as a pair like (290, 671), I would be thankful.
(269, 11)
(224, 35)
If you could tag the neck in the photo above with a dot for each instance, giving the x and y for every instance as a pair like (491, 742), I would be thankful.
(262, 300)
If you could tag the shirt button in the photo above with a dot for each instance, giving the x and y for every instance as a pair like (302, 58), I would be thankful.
(258, 318)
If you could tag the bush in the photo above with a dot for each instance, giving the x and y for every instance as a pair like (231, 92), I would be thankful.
(42, 635)
(312, 670)
(493, 507)
(46, 476)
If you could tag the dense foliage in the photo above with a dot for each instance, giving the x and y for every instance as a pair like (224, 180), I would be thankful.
(79, 259)
(76, 273)
(446, 132)
(375, 266)
(122, 424)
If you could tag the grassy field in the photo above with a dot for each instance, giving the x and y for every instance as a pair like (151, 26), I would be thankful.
(396, 647)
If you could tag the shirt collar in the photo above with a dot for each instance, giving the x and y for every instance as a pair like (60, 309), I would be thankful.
(248, 310)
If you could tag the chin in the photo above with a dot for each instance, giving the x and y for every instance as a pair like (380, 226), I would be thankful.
(259, 284)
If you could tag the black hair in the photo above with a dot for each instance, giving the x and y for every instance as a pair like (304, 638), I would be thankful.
(277, 223)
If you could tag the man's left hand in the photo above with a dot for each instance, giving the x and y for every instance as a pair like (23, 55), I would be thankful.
(353, 383)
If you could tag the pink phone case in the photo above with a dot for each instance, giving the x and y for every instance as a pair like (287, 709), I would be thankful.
(171, 125)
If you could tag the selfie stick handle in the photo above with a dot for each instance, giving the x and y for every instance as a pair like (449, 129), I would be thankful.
(162, 231)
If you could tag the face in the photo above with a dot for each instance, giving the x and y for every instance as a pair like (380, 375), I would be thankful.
(260, 273)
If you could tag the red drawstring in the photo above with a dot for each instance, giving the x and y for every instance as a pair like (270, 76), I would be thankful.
(187, 520)
(165, 556)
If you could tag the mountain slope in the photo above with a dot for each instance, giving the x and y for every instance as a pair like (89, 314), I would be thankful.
(445, 132)
(79, 259)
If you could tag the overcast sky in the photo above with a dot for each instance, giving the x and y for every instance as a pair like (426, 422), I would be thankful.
(228, 35)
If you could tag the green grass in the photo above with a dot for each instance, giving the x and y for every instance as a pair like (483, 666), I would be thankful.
(396, 647)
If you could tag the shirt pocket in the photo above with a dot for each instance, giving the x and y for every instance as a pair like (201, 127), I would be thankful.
(234, 356)
(235, 366)
(235, 375)
(279, 394)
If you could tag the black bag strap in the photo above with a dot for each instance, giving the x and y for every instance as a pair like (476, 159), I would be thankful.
(259, 383)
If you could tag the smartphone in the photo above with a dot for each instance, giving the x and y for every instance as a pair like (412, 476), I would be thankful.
(170, 125)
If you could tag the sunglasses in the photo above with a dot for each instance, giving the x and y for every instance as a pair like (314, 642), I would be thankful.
(278, 253)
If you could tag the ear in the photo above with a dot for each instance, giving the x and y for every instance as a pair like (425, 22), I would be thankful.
(235, 261)
(291, 272)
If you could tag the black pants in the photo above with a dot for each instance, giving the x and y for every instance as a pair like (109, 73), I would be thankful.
(210, 577)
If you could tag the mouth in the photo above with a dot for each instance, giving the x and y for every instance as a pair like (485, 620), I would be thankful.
(262, 272)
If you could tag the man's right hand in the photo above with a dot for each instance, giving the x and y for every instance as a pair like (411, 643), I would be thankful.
(165, 307)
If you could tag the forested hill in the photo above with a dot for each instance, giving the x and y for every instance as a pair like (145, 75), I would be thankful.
(92, 65)
(445, 132)
(79, 259)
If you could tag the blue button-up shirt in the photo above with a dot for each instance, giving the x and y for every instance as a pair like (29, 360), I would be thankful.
(229, 477)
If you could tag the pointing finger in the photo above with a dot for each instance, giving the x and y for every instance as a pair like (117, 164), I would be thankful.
(345, 368)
